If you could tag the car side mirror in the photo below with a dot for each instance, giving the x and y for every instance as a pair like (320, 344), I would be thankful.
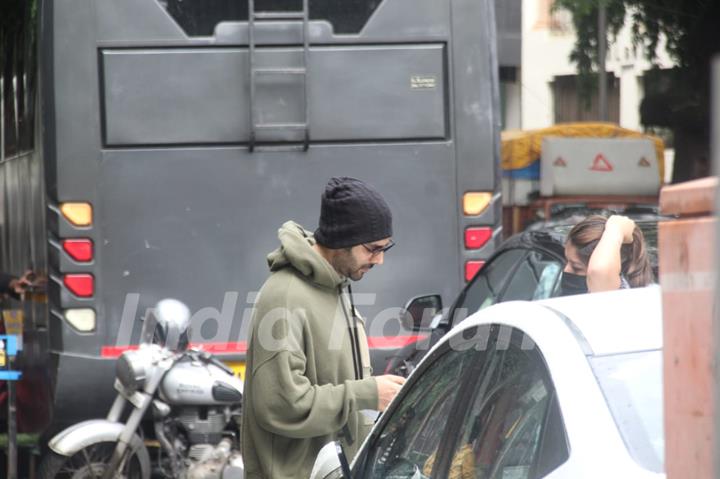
(419, 312)
(331, 463)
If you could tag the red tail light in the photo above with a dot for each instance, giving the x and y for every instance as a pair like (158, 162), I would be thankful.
(82, 285)
(79, 249)
(475, 238)
(471, 269)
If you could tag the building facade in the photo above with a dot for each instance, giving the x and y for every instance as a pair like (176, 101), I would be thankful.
(548, 90)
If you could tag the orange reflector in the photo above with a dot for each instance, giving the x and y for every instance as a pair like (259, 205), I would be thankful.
(79, 249)
(476, 202)
(79, 214)
(80, 284)
(471, 269)
(475, 238)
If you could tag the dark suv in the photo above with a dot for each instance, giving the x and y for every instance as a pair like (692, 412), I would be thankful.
(526, 266)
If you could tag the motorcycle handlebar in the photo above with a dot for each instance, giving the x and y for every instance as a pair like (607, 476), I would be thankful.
(209, 358)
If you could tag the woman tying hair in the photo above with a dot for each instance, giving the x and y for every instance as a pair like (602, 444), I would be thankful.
(604, 254)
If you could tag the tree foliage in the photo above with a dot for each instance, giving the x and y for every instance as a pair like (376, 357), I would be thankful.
(678, 100)
(688, 26)
(18, 38)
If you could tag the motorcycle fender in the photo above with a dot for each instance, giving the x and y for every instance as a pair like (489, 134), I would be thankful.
(86, 433)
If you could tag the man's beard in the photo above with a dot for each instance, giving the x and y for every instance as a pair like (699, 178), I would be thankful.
(358, 273)
(346, 265)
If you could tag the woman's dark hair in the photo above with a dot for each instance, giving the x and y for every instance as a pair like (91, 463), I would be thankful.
(635, 263)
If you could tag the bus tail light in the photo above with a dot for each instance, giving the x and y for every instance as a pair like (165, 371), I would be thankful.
(80, 284)
(79, 249)
(476, 238)
(79, 214)
(82, 319)
(475, 202)
(471, 269)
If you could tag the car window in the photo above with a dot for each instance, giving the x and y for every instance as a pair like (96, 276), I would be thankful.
(408, 444)
(488, 284)
(535, 278)
(548, 283)
(513, 412)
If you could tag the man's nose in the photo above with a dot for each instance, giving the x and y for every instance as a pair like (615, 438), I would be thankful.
(378, 258)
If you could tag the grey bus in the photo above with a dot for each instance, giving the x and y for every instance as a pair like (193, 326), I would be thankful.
(152, 148)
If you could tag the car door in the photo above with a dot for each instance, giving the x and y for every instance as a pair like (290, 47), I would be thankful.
(408, 442)
(514, 274)
(486, 287)
(512, 427)
(482, 291)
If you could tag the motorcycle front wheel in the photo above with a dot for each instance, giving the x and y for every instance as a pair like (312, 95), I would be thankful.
(90, 463)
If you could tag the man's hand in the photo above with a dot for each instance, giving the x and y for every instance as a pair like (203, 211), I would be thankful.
(388, 386)
(20, 285)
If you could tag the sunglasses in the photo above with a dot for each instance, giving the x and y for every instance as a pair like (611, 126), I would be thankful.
(376, 250)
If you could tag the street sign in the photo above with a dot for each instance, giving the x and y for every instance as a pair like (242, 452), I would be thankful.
(8, 349)
(600, 163)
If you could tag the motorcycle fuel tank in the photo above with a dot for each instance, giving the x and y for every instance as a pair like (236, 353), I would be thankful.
(200, 384)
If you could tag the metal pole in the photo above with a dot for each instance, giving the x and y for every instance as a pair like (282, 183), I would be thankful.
(306, 60)
(2, 120)
(251, 65)
(602, 51)
(715, 148)
(12, 425)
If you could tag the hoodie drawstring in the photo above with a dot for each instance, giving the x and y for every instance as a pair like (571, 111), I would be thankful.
(355, 330)
(352, 330)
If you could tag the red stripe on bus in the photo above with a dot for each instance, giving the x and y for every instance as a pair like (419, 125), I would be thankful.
(215, 348)
(240, 347)
(392, 342)
(115, 351)
(223, 348)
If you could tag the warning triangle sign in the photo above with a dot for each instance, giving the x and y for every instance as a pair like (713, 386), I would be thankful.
(560, 163)
(601, 164)
(644, 162)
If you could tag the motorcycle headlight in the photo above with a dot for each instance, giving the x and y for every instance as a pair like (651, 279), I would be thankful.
(130, 370)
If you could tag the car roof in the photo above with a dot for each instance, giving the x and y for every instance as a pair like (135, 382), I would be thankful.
(615, 322)
(546, 239)
(573, 214)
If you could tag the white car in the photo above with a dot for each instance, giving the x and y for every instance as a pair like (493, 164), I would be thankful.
(563, 388)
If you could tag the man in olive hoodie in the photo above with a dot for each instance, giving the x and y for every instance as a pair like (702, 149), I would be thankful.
(308, 366)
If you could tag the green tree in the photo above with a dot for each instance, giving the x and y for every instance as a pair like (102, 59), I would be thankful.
(677, 99)
(17, 71)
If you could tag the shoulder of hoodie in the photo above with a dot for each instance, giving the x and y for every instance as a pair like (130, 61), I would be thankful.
(288, 288)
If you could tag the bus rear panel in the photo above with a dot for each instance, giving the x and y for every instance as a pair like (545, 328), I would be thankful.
(180, 135)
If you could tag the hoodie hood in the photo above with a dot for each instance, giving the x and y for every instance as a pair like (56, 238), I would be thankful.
(296, 250)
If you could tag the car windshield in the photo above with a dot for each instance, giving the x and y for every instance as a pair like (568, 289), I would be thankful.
(632, 385)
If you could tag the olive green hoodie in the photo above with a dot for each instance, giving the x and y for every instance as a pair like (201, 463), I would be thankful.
(301, 389)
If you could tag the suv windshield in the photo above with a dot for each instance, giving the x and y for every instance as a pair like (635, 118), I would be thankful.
(632, 385)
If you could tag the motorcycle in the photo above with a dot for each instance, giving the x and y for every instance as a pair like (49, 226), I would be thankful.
(195, 404)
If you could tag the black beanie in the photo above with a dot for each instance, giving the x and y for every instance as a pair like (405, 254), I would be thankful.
(352, 213)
